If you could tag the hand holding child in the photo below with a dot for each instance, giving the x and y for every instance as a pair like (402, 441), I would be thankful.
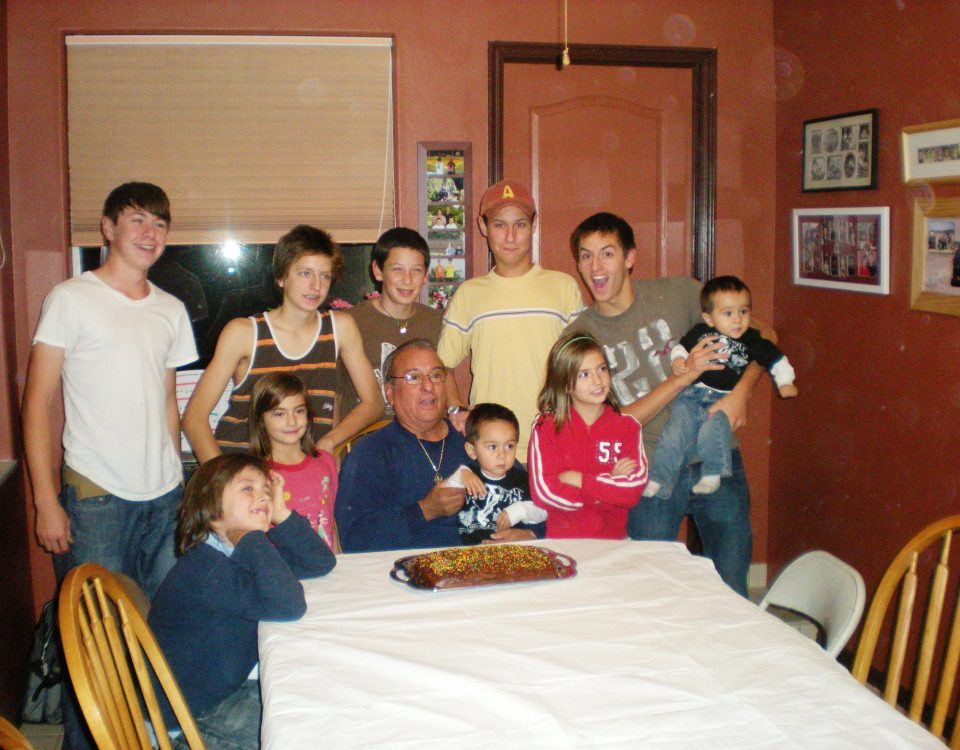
(705, 356)
(442, 501)
(503, 521)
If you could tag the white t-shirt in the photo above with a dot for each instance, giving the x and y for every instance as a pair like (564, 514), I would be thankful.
(117, 352)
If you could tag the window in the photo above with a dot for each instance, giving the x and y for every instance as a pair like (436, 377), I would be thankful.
(248, 135)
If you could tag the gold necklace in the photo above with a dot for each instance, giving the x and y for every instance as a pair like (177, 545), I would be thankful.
(401, 324)
(437, 479)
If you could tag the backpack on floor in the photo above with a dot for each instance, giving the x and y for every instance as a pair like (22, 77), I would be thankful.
(42, 699)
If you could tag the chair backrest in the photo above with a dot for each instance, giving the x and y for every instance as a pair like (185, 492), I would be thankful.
(139, 599)
(347, 445)
(824, 588)
(11, 738)
(903, 575)
(110, 652)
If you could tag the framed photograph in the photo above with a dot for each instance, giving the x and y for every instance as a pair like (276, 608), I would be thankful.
(842, 248)
(931, 152)
(840, 152)
(935, 282)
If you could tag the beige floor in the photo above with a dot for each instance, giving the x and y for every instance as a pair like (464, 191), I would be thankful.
(43, 736)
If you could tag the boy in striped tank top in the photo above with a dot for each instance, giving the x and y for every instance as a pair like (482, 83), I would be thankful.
(295, 337)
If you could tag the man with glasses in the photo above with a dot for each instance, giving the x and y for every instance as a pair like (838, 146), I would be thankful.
(391, 494)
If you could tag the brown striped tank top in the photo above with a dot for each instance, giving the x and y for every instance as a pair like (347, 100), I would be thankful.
(316, 367)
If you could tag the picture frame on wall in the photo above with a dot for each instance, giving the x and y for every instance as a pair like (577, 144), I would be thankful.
(840, 152)
(842, 248)
(931, 152)
(935, 281)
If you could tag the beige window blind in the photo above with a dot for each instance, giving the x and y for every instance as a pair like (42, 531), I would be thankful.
(248, 135)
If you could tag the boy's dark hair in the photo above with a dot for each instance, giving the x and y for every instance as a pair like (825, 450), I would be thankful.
(602, 223)
(480, 414)
(143, 195)
(305, 240)
(720, 284)
(202, 501)
(399, 237)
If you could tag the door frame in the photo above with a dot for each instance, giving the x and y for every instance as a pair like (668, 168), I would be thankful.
(701, 62)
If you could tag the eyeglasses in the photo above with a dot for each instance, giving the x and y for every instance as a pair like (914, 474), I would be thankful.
(415, 377)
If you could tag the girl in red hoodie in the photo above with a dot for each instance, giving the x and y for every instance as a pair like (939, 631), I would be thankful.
(586, 461)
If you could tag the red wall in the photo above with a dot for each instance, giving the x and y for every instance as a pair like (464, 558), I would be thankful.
(434, 42)
(870, 457)
(16, 600)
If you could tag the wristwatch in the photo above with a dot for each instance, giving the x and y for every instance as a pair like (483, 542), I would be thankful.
(455, 409)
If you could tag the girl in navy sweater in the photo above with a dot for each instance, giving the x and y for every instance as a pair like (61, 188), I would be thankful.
(586, 461)
(233, 571)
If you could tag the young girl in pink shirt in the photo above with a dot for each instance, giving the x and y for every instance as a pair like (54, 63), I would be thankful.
(279, 418)
(586, 461)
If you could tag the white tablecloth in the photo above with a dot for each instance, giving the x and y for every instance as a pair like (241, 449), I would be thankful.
(644, 648)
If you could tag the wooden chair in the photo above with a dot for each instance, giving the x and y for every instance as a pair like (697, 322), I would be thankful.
(935, 641)
(104, 636)
(139, 599)
(11, 738)
(347, 445)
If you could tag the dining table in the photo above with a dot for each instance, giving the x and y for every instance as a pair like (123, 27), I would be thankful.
(643, 646)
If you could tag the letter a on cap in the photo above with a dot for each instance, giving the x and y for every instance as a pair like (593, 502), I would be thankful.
(507, 192)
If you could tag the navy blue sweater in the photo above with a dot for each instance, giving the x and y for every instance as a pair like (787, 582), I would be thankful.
(206, 611)
(381, 483)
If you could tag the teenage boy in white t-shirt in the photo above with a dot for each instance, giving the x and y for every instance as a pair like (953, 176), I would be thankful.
(111, 341)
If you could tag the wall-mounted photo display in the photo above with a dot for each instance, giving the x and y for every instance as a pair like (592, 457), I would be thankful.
(443, 217)
(842, 248)
(447, 269)
(445, 189)
(446, 217)
(438, 295)
(445, 161)
(935, 281)
(931, 152)
(840, 152)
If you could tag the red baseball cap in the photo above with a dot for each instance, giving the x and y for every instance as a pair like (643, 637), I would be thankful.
(507, 193)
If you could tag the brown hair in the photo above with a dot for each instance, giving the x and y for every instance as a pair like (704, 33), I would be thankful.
(202, 501)
(142, 195)
(563, 364)
(481, 414)
(267, 394)
(399, 237)
(305, 240)
(602, 223)
(720, 284)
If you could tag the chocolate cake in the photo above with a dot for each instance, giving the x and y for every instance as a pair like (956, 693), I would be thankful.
(457, 567)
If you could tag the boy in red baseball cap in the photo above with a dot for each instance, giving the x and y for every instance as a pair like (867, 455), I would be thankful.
(509, 318)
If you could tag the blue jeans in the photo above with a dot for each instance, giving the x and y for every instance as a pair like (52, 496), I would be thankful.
(234, 724)
(125, 536)
(690, 428)
(722, 519)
